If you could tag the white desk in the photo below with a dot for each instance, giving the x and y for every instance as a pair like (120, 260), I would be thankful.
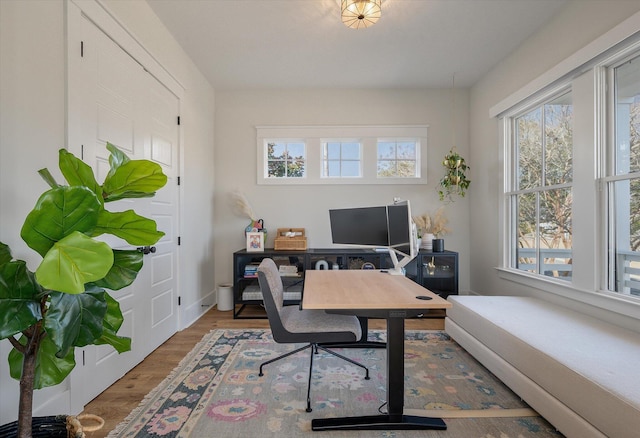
(375, 294)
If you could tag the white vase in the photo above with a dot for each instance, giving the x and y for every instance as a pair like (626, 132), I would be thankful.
(427, 241)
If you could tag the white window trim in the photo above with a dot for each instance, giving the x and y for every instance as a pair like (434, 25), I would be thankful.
(367, 135)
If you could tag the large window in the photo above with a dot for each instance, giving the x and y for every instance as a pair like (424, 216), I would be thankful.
(341, 159)
(285, 159)
(398, 159)
(393, 154)
(541, 188)
(623, 178)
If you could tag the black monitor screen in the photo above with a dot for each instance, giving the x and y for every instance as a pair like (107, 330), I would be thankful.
(359, 226)
(399, 227)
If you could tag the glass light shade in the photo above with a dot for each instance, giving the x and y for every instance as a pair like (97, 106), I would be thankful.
(358, 14)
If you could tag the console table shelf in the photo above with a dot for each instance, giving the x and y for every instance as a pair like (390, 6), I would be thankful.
(443, 280)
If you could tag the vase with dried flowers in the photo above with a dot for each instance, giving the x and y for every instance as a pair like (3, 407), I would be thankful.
(241, 207)
(431, 227)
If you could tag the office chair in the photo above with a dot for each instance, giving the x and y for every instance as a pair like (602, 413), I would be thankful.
(292, 325)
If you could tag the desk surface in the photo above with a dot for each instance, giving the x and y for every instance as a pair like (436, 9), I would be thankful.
(365, 289)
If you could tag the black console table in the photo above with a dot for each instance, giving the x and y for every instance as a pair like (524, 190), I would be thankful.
(441, 277)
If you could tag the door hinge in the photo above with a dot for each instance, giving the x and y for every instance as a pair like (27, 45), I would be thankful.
(179, 240)
(82, 152)
(178, 120)
(81, 49)
(178, 180)
(83, 361)
(179, 300)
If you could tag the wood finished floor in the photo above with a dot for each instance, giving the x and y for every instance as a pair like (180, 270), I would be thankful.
(115, 403)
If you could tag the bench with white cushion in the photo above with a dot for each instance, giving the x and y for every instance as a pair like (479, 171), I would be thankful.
(581, 373)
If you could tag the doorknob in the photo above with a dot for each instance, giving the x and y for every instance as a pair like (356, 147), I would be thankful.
(146, 249)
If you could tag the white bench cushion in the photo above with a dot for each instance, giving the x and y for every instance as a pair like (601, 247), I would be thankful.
(590, 365)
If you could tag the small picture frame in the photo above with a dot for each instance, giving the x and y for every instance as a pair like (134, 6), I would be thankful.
(255, 241)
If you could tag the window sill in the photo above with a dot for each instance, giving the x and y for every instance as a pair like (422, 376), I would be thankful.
(606, 300)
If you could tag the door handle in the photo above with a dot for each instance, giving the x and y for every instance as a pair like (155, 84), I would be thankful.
(146, 249)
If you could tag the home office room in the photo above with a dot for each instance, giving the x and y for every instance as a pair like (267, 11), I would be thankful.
(252, 174)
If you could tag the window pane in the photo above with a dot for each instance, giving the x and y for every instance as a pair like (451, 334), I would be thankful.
(397, 159)
(276, 150)
(332, 151)
(407, 150)
(285, 160)
(526, 232)
(350, 168)
(296, 150)
(351, 151)
(386, 168)
(558, 162)
(406, 168)
(627, 110)
(386, 151)
(556, 233)
(627, 236)
(529, 149)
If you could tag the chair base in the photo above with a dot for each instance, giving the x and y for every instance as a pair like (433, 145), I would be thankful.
(314, 350)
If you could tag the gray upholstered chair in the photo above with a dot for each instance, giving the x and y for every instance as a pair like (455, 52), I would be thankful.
(292, 325)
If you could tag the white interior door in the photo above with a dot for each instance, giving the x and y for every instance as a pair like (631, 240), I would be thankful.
(123, 104)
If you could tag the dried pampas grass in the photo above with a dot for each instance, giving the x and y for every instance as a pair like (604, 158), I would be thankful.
(436, 224)
(240, 205)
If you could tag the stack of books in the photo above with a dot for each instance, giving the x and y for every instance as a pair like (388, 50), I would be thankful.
(251, 270)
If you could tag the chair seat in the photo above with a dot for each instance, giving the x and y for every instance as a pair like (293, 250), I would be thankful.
(318, 326)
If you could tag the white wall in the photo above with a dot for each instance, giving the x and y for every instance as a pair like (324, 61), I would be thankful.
(237, 114)
(32, 129)
(579, 23)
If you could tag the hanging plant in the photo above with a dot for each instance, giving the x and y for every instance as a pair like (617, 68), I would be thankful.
(454, 182)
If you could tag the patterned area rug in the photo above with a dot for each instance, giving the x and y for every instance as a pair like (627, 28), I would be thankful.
(216, 392)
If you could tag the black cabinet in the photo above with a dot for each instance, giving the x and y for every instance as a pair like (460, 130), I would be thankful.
(436, 271)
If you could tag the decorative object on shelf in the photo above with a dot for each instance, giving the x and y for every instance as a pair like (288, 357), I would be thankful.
(431, 267)
(358, 14)
(290, 239)
(438, 245)
(64, 304)
(255, 241)
(431, 227)
(241, 207)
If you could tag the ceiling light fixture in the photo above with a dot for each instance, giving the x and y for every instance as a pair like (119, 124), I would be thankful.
(358, 14)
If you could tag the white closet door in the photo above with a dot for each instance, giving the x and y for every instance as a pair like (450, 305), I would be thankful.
(123, 104)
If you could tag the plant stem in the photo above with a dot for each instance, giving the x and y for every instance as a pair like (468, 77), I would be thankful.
(34, 335)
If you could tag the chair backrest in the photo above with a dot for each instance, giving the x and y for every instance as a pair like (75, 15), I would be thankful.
(273, 296)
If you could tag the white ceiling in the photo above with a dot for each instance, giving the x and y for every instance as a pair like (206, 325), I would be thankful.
(244, 44)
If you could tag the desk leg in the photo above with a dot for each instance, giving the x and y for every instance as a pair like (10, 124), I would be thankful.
(395, 419)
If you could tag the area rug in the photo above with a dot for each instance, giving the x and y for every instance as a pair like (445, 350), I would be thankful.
(216, 392)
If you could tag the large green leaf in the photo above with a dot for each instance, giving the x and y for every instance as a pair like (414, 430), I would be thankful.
(57, 213)
(126, 265)
(73, 261)
(112, 322)
(5, 254)
(50, 370)
(116, 159)
(133, 179)
(78, 173)
(19, 298)
(75, 320)
(127, 225)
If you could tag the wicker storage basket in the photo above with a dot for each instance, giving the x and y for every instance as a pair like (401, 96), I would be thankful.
(290, 239)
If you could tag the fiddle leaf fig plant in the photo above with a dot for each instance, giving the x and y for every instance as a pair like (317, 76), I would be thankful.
(65, 304)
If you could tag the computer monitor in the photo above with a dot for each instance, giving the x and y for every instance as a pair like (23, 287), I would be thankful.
(389, 227)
